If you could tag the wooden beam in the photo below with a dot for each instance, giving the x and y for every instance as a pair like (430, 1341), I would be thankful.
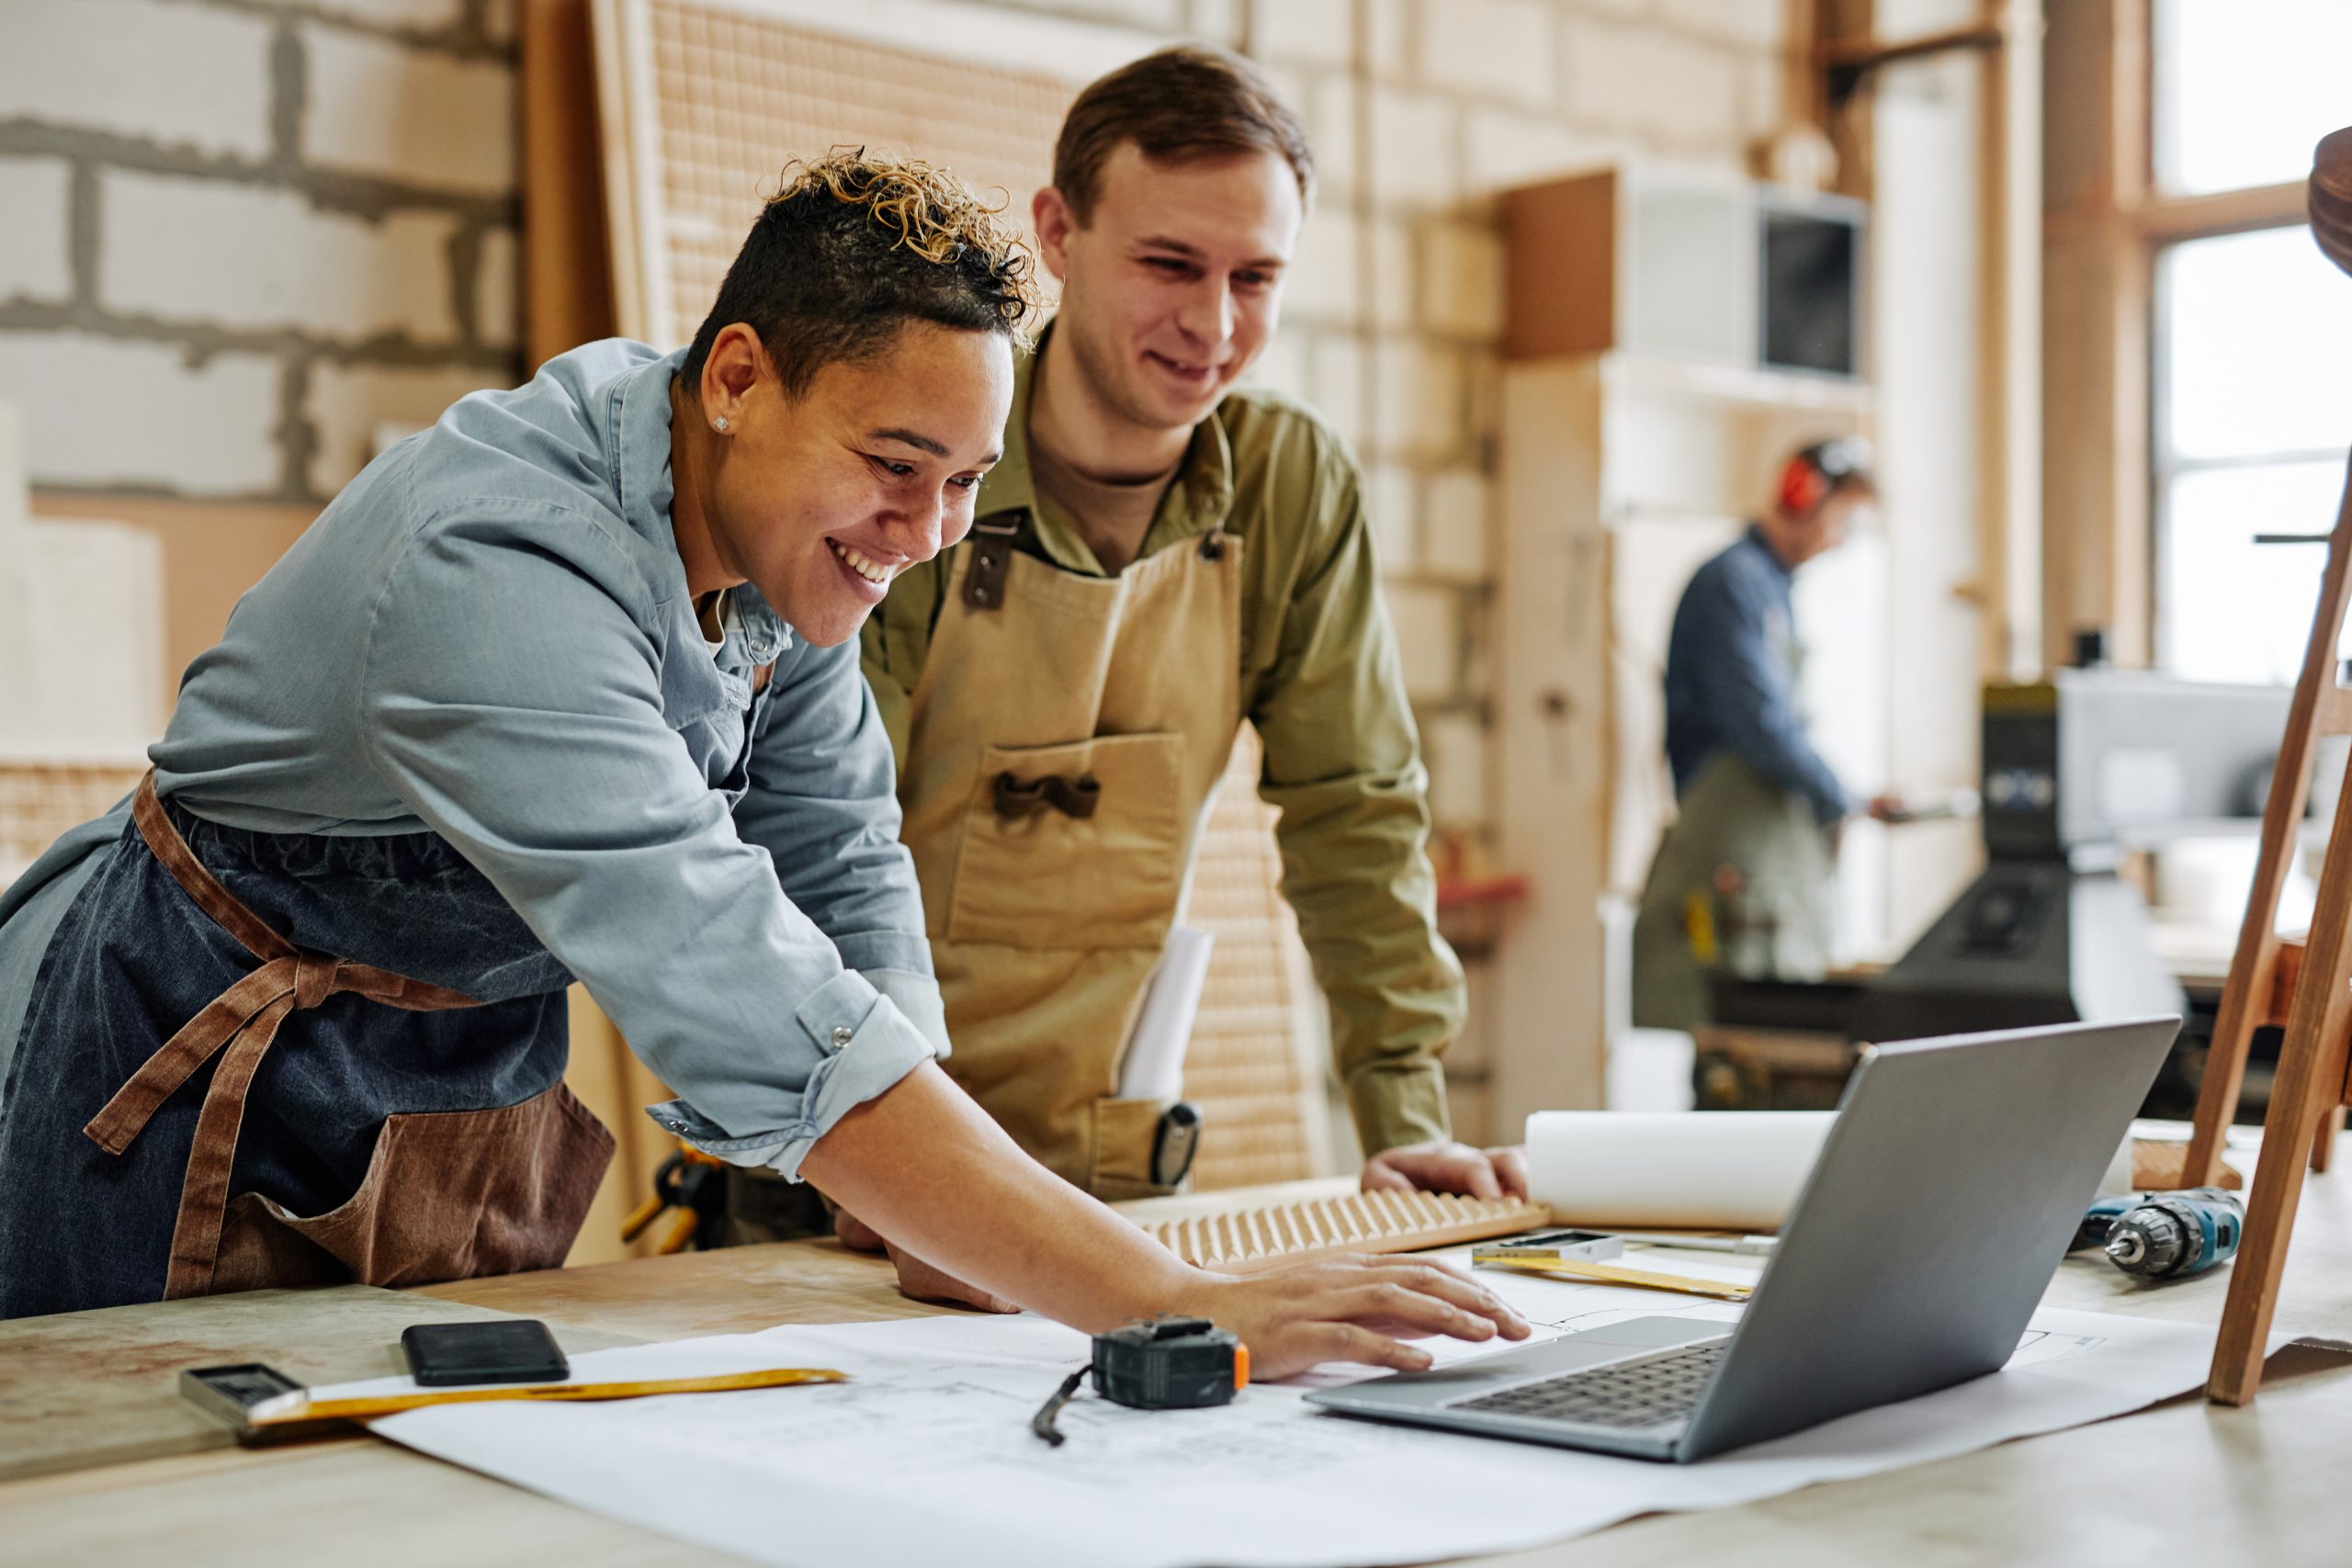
(2167, 218)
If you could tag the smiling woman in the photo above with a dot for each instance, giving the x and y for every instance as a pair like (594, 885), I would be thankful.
(848, 389)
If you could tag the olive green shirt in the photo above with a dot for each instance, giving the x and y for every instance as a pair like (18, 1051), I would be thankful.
(1321, 683)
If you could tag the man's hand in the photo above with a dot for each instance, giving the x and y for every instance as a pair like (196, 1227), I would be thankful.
(916, 1279)
(1448, 1167)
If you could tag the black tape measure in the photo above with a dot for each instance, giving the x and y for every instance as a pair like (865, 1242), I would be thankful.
(1156, 1363)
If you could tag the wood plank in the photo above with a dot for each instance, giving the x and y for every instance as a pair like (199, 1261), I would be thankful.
(567, 255)
(85, 1389)
(739, 1290)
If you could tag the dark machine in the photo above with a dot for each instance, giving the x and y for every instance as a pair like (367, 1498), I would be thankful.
(2078, 772)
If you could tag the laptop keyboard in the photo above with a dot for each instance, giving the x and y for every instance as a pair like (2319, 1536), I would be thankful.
(1640, 1392)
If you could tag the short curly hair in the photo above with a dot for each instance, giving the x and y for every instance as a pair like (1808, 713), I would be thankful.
(855, 245)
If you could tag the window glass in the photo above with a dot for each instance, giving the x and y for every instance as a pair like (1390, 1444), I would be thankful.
(2257, 331)
(2245, 87)
(2234, 610)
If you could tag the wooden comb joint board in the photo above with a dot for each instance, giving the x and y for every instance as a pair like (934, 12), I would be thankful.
(1267, 1235)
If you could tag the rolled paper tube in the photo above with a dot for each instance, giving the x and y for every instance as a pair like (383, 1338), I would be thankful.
(1691, 1171)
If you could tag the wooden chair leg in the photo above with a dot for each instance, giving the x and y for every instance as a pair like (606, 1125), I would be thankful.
(2299, 1110)
(2324, 1143)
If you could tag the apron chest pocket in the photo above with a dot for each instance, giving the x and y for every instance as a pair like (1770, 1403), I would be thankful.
(1080, 845)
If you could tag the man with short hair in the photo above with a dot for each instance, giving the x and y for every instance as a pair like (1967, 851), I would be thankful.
(1745, 874)
(1163, 556)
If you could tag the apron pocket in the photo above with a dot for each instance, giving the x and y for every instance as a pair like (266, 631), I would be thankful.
(448, 1195)
(1080, 845)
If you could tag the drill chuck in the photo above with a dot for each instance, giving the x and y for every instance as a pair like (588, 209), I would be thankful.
(2166, 1236)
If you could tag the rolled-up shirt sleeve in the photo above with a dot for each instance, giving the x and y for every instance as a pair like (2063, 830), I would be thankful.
(823, 803)
(512, 697)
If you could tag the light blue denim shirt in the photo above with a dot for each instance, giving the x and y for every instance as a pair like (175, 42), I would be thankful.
(489, 635)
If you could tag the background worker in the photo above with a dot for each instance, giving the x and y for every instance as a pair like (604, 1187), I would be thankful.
(1161, 556)
(567, 687)
(1750, 861)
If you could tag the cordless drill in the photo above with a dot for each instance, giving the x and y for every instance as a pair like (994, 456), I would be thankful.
(2165, 1235)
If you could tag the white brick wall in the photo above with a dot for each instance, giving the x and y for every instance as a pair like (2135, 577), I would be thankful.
(1391, 36)
(1330, 109)
(1413, 147)
(187, 76)
(1752, 24)
(497, 300)
(1656, 85)
(1455, 527)
(1281, 364)
(1219, 21)
(198, 251)
(1454, 746)
(1335, 380)
(1311, 32)
(1428, 639)
(138, 416)
(1462, 280)
(1491, 48)
(348, 402)
(34, 263)
(1392, 276)
(376, 107)
(1389, 509)
(1321, 286)
(1502, 148)
(1419, 399)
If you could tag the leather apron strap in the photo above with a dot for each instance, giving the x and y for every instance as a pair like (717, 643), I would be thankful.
(243, 1021)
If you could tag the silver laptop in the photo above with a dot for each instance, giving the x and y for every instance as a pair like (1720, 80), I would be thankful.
(1944, 1197)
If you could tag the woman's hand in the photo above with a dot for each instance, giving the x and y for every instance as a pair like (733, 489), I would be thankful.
(1351, 1308)
(924, 1167)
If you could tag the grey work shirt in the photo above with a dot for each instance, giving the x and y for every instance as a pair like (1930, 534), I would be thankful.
(489, 635)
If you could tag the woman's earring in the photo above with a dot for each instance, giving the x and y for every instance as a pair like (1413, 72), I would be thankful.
(719, 424)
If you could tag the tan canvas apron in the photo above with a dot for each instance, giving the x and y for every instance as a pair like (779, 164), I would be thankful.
(447, 1194)
(1745, 881)
(1064, 741)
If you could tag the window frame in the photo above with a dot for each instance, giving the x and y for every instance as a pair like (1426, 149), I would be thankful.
(2161, 223)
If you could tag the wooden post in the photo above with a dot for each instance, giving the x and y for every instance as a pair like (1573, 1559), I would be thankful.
(2321, 708)
(2311, 1082)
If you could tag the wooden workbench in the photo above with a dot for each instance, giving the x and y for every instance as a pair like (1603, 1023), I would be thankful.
(2185, 1482)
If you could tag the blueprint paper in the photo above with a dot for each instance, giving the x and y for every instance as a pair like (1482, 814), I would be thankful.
(926, 1455)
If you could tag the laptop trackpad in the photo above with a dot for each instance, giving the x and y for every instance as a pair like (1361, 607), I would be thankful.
(1652, 1333)
(1570, 1352)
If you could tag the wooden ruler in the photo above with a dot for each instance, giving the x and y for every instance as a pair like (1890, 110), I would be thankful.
(288, 1408)
(1617, 1274)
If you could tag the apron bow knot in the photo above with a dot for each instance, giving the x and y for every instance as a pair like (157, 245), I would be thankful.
(317, 977)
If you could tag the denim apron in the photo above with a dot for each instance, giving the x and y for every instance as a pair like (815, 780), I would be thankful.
(359, 1077)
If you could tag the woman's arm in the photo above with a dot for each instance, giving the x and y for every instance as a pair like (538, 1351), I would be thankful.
(926, 1167)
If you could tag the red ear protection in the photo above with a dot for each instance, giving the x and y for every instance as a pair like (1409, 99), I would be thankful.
(1802, 485)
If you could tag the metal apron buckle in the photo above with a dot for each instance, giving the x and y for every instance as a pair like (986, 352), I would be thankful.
(991, 560)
